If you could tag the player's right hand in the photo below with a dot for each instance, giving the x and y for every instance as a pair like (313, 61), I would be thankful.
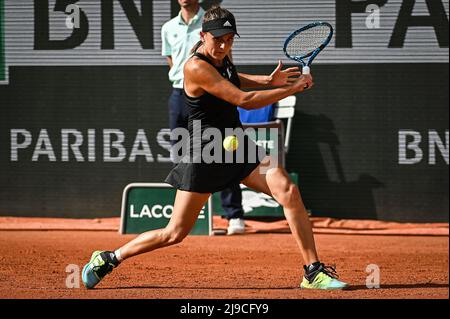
(304, 82)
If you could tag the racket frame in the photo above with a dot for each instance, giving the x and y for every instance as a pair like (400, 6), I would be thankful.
(311, 55)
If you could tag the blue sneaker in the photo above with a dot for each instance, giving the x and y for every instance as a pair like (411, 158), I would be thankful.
(323, 277)
(101, 264)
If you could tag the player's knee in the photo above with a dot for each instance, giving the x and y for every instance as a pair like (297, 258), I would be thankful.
(177, 237)
(288, 195)
(174, 236)
(294, 194)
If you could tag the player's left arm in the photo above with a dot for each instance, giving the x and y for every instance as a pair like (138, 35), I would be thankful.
(277, 78)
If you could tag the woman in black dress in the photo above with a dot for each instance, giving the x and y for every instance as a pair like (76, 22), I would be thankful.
(212, 90)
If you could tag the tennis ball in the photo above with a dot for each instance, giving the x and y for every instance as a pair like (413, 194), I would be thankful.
(230, 143)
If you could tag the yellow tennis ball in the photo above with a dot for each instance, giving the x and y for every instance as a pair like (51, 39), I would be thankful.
(230, 143)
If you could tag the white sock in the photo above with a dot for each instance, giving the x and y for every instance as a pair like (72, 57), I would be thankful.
(118, 255)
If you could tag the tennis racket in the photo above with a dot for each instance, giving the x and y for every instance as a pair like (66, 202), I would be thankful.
(307, 43)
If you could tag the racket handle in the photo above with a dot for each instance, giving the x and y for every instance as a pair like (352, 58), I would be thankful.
(306, 70)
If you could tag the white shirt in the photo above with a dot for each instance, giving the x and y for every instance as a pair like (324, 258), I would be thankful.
(178, 38)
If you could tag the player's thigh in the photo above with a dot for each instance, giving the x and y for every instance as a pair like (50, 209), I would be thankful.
(257, 179)
(269, 180)
(186, 209)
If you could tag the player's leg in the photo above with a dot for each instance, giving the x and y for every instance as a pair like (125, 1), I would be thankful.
(276, 183)
(185, 213)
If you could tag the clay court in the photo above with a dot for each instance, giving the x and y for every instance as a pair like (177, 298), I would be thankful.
(260, 264)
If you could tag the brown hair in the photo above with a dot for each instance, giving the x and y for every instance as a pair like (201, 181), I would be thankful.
(216, 12)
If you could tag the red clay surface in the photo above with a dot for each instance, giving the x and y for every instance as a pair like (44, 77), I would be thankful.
(321, 225)
(33, 265)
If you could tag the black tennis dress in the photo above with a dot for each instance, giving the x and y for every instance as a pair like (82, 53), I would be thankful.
(202, 176)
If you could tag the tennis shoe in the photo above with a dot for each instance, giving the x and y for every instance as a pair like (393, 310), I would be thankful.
(101, 264)
(324, 278)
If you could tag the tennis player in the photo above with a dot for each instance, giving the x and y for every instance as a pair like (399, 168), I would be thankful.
(178, 37)
(212, 90)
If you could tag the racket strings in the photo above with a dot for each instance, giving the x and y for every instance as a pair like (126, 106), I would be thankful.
(307, 41)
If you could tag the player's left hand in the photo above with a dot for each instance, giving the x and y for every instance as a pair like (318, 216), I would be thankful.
(280, 77)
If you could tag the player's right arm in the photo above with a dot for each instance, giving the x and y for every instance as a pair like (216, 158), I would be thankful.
(201, 77)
